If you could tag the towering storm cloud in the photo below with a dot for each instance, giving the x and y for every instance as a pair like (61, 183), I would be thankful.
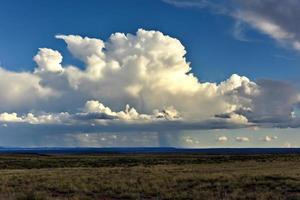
(136, 82)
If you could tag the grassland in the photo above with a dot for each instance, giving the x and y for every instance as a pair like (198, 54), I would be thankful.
(151, 176)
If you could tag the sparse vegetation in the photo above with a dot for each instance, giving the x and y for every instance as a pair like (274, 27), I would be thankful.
(160, 176)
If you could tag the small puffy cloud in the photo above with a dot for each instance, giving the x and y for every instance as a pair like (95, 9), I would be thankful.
(242, 139)
(222, 139)
(269, 138)
(191, 141)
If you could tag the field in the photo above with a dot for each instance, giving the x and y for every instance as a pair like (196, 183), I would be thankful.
(149, 176)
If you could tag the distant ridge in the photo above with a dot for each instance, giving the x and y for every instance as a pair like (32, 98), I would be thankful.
(147, 150)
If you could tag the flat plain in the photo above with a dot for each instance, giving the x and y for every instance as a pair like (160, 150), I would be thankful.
(149, 176)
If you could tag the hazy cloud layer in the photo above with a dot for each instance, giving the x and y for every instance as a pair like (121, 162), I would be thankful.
(276, 18)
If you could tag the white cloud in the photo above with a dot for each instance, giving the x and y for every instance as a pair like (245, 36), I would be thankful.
(147, 71)
(274, 137)
(47, 118)
(191, 142)
(242, 139)
(48, 60)
(9, 117)
(269, 138)
(222, 139)
(22, 90)
(93, 111)
(86, 49)
(35, 119)
(128, 114)
(239, 119)
(133, 83)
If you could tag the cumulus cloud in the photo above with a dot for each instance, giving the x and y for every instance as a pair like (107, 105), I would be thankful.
(242, 139)
(22, 90)
(48, 60)
(147, 70)
(136, 82)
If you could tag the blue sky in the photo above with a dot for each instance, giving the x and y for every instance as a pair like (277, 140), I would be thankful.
(256, 40)
(214, 52)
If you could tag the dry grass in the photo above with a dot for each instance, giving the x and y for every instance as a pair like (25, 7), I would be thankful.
(150, 177)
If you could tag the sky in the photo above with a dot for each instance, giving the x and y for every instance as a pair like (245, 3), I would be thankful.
(180, 73)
